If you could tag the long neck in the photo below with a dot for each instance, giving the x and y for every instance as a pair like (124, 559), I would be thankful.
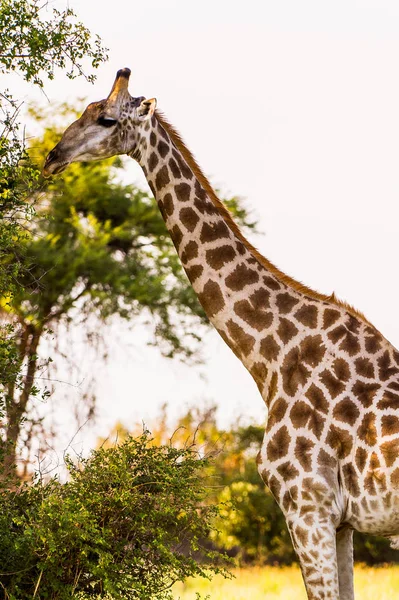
(242, 297)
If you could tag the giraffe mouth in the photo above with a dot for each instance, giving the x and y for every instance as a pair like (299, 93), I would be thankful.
(53, 168)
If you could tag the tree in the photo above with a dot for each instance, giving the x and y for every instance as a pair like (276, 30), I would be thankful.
(128, 524)
(34, 47)
(95, 249)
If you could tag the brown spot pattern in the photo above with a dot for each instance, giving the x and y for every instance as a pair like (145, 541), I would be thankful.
(334, 385)
(390, 424)
(218, 257)
(168, 204)
(174, 168)
(259, 373)
(367, 430)
(258, 319)
(186, 171)
(339, 440)
(337, 333)
(153, 161)
(346, 411)
(361, 458)
(389, 400)
(162, 178)
(294, 372)
(303, 415)
(386, 367)
(194, 272)
(163, 148)
(177, 236)
(326, 460)
(189, 218)
(365, 392)
(364, 367)
(395, 478)
(287, 471)
(205, 206)
(272, 389)
(190, 251)
(199, 190)
(213, 232)
(240, 277)
(286, 330)
(312, 350)
(303, 452)
(369, 484)
(277, 412)
(317, 398)
(390, 451)
(278, 445)
(350, 344)
(351, 480)
(211, 298)
(341, 369)
(269, 348)
(307, 315)
(271, 282)
(182, 191)
(260, 298)
(330, 316)
(285, 302)
(244, 341)
(373, 343)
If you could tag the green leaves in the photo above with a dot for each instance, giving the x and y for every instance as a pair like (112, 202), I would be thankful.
(35, 40)
(130, 522)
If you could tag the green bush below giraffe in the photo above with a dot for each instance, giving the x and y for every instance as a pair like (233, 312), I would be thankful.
(129, 523)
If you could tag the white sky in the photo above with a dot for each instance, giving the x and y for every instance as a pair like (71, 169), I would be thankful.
(292, 105)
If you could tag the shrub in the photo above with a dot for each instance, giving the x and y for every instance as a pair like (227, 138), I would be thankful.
(128, 524)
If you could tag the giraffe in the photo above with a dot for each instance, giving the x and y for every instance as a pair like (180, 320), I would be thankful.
(330, 380)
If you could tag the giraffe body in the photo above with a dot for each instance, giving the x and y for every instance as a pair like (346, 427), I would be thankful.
(330, 380)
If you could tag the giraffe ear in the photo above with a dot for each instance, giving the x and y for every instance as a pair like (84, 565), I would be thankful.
(147, 109)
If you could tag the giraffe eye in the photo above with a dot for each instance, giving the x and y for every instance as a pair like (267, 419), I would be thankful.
(106, 121)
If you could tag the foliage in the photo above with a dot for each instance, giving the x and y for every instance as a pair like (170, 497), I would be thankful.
(251, 521)
(33, 47)
(250, 526)
(128, 524)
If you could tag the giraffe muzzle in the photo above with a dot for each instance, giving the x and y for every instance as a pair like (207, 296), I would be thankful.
(53, 164)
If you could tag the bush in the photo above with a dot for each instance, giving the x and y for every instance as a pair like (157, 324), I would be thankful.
(128, 524)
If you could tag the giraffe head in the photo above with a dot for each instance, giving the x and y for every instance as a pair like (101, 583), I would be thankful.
(106, 128)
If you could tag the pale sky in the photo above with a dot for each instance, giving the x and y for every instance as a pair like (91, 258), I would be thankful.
(292, 105)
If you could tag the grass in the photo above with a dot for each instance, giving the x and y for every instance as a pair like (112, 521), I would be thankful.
(275, 583)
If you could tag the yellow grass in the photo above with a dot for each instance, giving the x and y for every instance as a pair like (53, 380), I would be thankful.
(274, 583)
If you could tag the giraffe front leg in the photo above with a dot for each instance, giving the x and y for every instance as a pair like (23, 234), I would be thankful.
(314, 540)
(345, 564)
